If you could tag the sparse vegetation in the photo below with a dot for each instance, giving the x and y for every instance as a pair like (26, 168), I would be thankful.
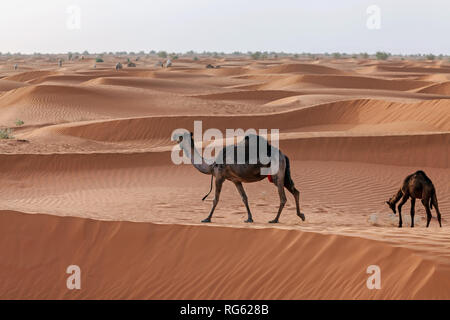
(195, 59)
(430, 56)
(337, 55)
(162, 54)
(19, 123)
(99, 60)
(364, 55)
(382, 55)
(6, 134)
(131, 64)
(256, 55)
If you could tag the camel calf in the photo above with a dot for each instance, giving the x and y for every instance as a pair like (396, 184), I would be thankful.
(416, 186)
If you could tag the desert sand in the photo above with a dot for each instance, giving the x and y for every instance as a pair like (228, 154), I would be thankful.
(88, 180)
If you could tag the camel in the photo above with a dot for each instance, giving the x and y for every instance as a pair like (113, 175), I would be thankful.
(416, 186)
(241, 173)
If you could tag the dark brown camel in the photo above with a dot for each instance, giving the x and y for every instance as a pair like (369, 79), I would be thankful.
(239, 173)
(416, 186)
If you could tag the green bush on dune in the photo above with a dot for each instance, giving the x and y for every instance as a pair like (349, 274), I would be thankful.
(162, 54)
(382, 55)
(6, 134)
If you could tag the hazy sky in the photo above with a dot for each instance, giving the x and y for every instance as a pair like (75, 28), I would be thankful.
(406, 26)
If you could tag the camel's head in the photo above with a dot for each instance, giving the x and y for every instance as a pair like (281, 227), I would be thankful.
(181, 136)
(391, 205)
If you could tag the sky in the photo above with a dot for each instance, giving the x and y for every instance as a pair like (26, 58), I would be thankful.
(318, 26)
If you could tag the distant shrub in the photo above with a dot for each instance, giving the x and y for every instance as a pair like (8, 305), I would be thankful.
(337, 55)
(6, 134)
(365, 55)
(99, 60)
(430, 56)
(131, 65)
(256, 55)
(382, 55)
(195, 59)
(162, 54)
(19, 123)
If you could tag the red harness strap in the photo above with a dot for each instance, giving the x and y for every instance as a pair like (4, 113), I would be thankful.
(269, 177)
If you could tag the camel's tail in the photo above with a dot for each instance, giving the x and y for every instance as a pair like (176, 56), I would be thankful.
(212, 176)
(433, 198)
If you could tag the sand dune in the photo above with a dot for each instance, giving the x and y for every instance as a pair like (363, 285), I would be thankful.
(6, 85)
(424, 116)
(88, 179)
(30, 75)
(164, 85)
(340, 81)
(439, 88)
(115, 259)
(302, 68)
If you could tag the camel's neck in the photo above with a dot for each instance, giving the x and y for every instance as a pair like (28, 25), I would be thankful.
(396, 197)
(196, 159)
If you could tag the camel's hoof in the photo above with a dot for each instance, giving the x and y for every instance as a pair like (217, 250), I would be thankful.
(400, 226)
(249, 221)
(273, 221)
(302, 216)
(206, 220)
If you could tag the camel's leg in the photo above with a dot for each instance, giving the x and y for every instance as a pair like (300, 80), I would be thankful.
(282, 199)
(436, 206)
(404, 199)
(219, 182)
(413, 204)
(244, 199)
(426, 204)
(296, 195)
